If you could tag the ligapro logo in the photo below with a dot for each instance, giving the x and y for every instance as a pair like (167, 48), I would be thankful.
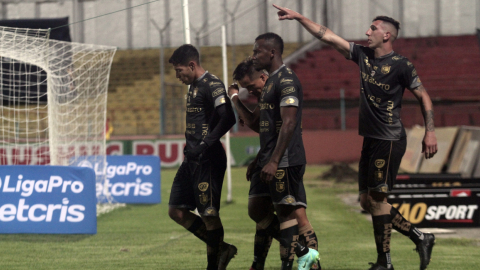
(23, 211)
(120, 188)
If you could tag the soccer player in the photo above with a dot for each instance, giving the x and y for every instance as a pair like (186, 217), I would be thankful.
(198, 183)
(281, 159)
(384, 77)
(260, 207)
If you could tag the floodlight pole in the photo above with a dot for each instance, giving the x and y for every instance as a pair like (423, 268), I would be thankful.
(162, 74)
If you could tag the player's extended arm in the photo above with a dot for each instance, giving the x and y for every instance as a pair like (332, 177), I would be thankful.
(289, 121)
(319, 31)
(250, 118)
(429, 144)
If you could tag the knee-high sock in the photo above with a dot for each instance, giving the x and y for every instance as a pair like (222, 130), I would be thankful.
(288, 242)
(307, 237)
(270, 228)
(199, 229)
(382, 230)
(214, 239)
(404, 227)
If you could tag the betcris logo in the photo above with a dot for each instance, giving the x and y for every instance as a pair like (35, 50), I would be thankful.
(129, 179)
(47, 200)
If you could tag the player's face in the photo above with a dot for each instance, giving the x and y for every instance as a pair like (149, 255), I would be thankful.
(375, 35)
(184, 73)
(262, 55)
(254, 87)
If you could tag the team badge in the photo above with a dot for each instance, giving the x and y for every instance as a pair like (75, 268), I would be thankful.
(289, 200)
(379, 175)
(280, 186)
(279, 74)
(379, 163)
(203, 186)
(409, 64)
(280, 174)
(414, 73)
(211, 211)
(386, 69)
(203, 198)
(366, 62)
(194, 93)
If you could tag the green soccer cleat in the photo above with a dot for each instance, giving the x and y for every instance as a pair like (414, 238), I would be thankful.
(306, 261)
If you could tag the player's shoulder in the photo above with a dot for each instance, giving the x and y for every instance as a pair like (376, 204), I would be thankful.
(402, 61)
(284, 75)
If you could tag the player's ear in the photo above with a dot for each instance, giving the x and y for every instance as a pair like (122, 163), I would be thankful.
(263, 77)
(387, 36)
(192, 65)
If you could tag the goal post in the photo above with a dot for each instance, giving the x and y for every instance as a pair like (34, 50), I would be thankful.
(54, 98)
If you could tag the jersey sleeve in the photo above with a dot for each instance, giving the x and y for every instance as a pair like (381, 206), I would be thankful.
(217, 95)
(289, 91)
(409, 76)
(355, 50)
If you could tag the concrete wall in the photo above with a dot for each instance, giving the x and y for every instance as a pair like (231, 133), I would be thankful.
(132, 28)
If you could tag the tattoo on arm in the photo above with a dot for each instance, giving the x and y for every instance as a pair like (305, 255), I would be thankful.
(321, 32)
(429, 120)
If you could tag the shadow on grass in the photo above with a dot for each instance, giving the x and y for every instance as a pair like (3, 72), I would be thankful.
(42, 238)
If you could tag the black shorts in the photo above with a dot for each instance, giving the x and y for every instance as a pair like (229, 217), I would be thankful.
(379, 164)
(199, 185)
(286, 187)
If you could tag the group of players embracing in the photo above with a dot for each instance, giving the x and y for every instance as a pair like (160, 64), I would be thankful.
(277, 198)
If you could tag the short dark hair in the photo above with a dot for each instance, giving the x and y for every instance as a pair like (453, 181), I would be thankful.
(274, 38)
(245, 68)
(184, 54)
(388, 20)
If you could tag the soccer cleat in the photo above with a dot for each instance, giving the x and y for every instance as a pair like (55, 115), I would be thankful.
(306, 261)
(376, 266)
(424, 249)
(316, 265)
(227, 253)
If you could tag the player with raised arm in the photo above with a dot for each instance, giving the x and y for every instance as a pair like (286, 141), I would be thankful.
(384, 77)
(198, 183)
(260, 208)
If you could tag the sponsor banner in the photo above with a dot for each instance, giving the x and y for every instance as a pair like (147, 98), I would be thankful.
(170, 152)
(129, 179)
(434, 181)
(440, 209)
(47, 200)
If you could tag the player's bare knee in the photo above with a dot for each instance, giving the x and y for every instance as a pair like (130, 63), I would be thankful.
(175, 214)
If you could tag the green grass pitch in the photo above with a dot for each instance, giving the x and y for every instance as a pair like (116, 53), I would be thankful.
(144, 237)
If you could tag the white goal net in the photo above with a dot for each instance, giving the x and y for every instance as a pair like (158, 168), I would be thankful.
(54, 98)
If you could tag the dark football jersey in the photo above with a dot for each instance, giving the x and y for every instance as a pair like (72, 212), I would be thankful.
(204, 95)
(382, 83)
(281, 89)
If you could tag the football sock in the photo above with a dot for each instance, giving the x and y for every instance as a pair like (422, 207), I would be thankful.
(288, 242)
(260, 250)
(404, 227)
(199, 229)
(382, 230)
(214, 239)
(307, 237)
(301, 250)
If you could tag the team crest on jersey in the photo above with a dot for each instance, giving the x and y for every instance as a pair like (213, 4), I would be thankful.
(280, 174)
(203, 186)
(409, 64)
(414, 73)
(366, 62)
(203, 198)
(386, 69)
(379, 175)
(280, 186)
(379, 163)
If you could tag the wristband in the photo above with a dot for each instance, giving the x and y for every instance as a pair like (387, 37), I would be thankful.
(231, 98)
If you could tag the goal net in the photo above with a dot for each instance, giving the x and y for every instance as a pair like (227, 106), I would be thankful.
(54, 97)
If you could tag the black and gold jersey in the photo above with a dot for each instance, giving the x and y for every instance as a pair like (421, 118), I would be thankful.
(382, 83)
(282, 88)
(204, 95)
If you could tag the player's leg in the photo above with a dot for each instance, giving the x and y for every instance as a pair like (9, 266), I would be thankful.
(182, 201)
(284, 190)
(260, 210)
(306, 234)
(208, 189)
